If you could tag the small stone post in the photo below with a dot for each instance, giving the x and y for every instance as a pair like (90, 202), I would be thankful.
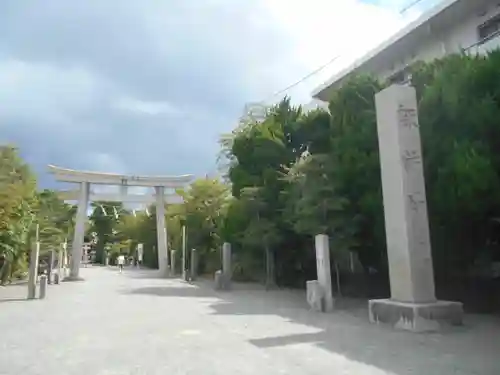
(173, 260)
(58, 276)
(33, 270)
(413, 305)
(315, 297)
(50, 267)
(194, 264)
(140, 254)
(323, 270)
(43, 286)
(184, 259)
(223, 277)
(65, 259)
(226, 261)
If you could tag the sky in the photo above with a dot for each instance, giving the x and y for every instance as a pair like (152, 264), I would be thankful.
(148, 87)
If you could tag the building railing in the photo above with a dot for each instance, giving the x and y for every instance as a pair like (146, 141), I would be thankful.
(484, 45)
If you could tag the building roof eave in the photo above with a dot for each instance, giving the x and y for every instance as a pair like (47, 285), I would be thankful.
(321, 92)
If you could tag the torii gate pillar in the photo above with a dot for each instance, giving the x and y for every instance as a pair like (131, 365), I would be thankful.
(161, 231)
(81, 217)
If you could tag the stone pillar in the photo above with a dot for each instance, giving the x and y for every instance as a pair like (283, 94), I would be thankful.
(50, 269)
(140, 254)
(60, 265)
(219, 280)
(173, 260)
(77, 246)
(184, 259)
(226, 261)
(33, 270)
(223, 277)
(413, 304)
(65, 259)
(321, 243)
(43, 286)
(194, 264)
(161, 231)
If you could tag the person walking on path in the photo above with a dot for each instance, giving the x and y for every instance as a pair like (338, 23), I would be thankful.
(121, 262)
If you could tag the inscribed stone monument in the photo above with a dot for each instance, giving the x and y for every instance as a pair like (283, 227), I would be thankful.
(413, 304)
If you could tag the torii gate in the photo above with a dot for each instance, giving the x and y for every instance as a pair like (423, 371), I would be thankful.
(83, 195)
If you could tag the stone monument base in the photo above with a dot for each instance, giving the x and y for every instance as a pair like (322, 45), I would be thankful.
(316, 297)
(415, 317)
(222, 282)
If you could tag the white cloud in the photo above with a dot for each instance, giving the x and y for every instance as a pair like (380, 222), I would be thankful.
(104, 162)
(146, 107)
(31, 91)
(324, 29)
(79, 88)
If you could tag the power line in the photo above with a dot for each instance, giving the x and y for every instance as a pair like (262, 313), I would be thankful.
(314, 72)
(409, 6)
(331, 61)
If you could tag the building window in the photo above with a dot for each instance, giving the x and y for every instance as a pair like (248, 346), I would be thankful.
(489, 29)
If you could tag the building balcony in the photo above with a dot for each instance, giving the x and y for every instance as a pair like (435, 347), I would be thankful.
(485, 46)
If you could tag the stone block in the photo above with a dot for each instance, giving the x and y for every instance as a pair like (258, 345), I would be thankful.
(43, 286)
(415, 317)
(221, 281)
(315, 295)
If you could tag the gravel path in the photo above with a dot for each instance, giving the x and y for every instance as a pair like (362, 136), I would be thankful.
(134, 323)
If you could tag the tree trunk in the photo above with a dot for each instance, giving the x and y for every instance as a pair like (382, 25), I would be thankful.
(4, 272)
(270, 277)
(337, 276)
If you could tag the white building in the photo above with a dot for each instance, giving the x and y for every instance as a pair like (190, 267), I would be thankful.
(452, 26)
(254, 112)
(314, 104)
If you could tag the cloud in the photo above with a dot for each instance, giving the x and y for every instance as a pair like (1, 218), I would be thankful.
(149, 108)
(147, 87)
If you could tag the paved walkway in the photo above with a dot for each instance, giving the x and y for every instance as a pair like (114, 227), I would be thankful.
(134, 323)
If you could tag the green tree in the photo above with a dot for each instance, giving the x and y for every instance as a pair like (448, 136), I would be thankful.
(203, 213)
(104, 222)
(17, 212)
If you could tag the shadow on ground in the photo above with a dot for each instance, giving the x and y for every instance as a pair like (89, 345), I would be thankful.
(137, 273)
(471, 349)
(171, 292)
(5, 300)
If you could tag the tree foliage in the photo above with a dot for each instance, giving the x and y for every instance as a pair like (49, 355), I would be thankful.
(319, 172)
(22, 210)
